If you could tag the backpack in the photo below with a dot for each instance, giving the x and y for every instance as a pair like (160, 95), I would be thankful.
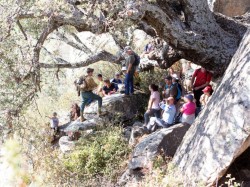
(179, 93)
(81, 85)
(137, 60)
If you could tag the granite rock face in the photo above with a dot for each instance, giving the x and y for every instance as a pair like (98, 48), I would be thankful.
(221, 132)
(230, 7)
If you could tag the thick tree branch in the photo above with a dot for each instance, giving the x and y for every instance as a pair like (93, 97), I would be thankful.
(100, 56)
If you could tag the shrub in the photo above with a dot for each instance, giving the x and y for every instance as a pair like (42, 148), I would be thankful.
(154, 77)
(100, 154)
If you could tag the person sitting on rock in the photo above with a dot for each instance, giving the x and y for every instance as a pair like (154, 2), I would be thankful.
(207, 93)
(148, 50)
(116, 81)
(108, 88)
(100, 85)
(75, 112)
(167, 116)
(188, 110)
(153, 104)
(171, 90)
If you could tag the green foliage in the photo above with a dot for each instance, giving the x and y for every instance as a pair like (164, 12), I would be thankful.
(231, 181)
(154, 77)
(100, 154)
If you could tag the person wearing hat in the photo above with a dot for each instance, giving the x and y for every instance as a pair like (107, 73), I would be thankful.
(87, 92)
(116, 81)
(130, 61)
(207, 92)
(171, 90)
(188, 110)
(167, 116)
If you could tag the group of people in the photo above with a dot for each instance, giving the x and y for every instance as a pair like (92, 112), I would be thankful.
(91, 91)
(164, 108)
(167, 112)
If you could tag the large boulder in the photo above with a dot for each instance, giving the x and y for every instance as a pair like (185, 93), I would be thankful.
(222, 131)
(120, 107)
(75, 126)
(65, 144)
(229, 7)
(167, 139)
(232, 7)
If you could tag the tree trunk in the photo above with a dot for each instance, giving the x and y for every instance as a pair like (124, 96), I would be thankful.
(190, 27)
(222, 130)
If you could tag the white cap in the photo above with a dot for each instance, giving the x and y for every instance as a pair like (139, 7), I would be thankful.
(175, 76)
(124, 68)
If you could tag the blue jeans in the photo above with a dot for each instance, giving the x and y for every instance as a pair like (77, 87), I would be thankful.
(156, 113)
(86, 96)
(129, 84)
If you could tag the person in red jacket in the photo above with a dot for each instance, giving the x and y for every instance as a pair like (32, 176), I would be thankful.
(200, 79)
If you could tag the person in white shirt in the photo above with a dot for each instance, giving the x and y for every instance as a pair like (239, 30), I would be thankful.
(153, 104)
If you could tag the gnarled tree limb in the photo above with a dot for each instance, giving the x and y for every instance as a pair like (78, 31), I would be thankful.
(100, 56)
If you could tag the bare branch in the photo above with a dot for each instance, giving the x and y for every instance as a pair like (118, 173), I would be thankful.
(100, 56)
(80, 46)
(22, 30)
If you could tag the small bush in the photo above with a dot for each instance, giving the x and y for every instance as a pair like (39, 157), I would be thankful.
(100, 154)
(154, 77)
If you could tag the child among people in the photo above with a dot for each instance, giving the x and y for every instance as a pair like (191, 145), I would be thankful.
(75, 112)
(54, 122)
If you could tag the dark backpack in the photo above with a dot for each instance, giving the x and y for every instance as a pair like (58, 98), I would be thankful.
(137, 60)
(80, 85)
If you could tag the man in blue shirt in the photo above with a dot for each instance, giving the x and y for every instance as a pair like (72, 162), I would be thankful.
(167, 116)
(116, 81)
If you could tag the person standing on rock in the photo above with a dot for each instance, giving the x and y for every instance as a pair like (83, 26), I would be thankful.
(130, 66)
(200, 79)
(153, 104)
(87, 85)
(171, 90)
(117, 81)
(188, 72)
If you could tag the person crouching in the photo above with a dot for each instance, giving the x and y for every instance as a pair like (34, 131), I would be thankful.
(167, 116)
